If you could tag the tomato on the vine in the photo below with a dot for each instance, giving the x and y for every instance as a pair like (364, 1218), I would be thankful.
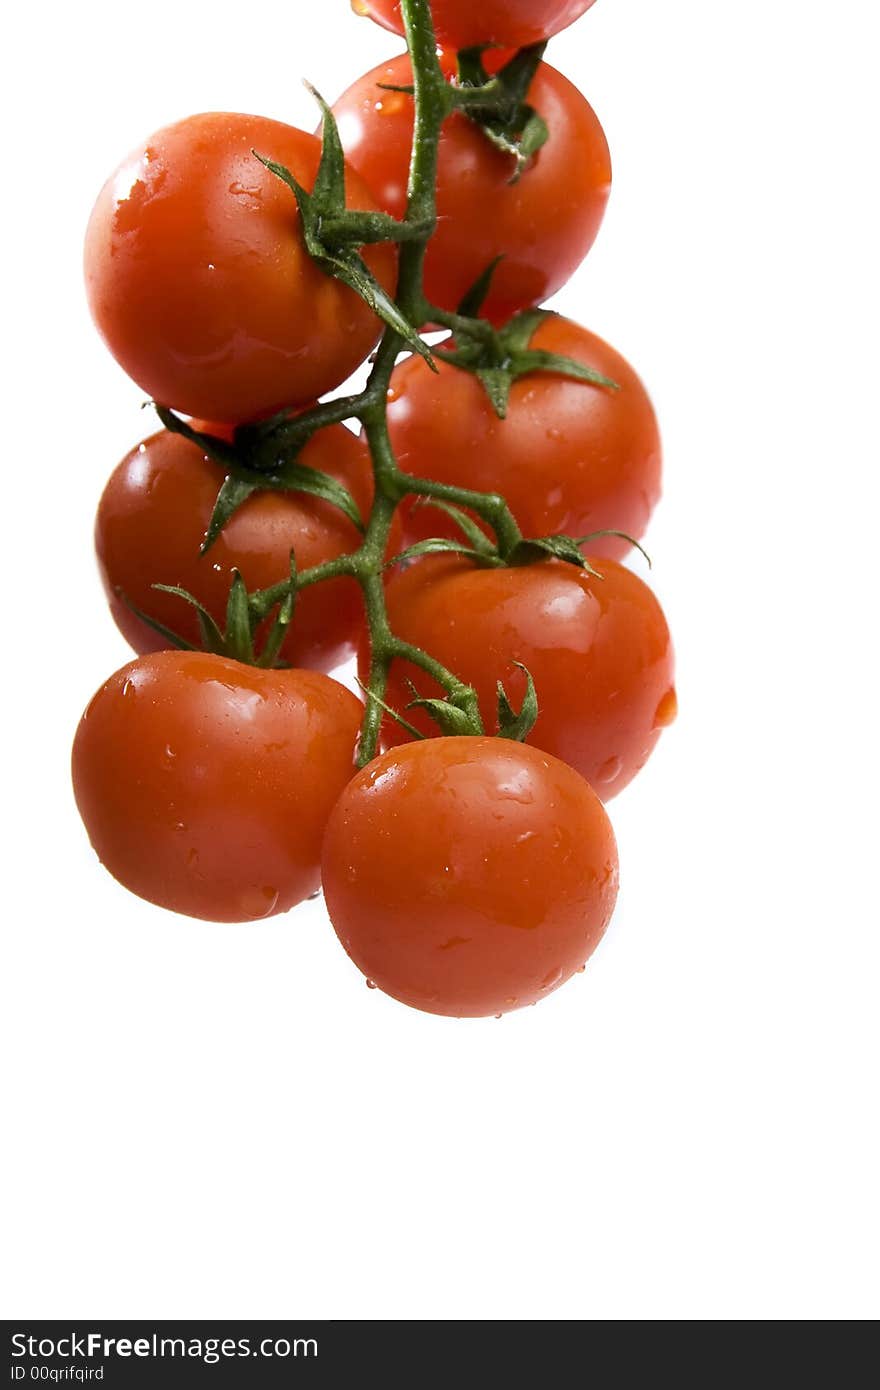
(469, 23)
(199, 279)
(599, 652)
(569, 458)
(152, 519)
(542, 225)
(469, 876)
(205, 785)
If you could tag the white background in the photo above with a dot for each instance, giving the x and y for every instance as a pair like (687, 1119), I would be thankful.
(223, 1121)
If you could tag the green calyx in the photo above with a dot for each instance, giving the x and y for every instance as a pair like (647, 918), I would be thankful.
(333, 233)
(244, 614)
(498, 104)
(500, 357)
(245, 462)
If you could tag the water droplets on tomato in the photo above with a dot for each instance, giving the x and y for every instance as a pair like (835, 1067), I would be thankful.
(259, 902)
(391, 104)
(371, 984)
(609, 771)
(666, 710)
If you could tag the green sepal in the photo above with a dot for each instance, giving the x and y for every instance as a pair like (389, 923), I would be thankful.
(535, 360)
(621, 535)
(212, 638)
(471, 529)
(449, 718)
(392, 713)
(233, 493)
(239, 633)
(475, 297)
(298, 477)
(498, 104)
(566, 548)
(283, 619)
(521, 138)
(436, 545)
(220, 450)
(510, 724)
(327, 200)
(505, 357)
(168, 633)
(515, 338)
(496, 382)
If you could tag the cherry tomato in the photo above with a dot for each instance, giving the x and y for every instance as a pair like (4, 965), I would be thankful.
(598, 650)
(199, 280)
(153, 517)
(543, 225)
(568, 458)
(465, 24)
(469, 876)
(205, 785)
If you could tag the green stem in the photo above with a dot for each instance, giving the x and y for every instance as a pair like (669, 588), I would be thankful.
(435, 99)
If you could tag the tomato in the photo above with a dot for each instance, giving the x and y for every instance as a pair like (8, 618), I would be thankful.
(469, 876)
(199, 280)
(598, 649)
(205, 785)
(464, 24)
(152, 519)
(543, 225)
(568, 458)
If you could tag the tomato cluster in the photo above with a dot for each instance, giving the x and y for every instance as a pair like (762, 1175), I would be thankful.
(468, 543)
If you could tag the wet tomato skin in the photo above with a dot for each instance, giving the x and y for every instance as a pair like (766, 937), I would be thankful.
(469, 876)
(465, 24)
(205, 786)
(569, 458)
(199, 280)
(152, 519)
(542, 225)
(599, 651)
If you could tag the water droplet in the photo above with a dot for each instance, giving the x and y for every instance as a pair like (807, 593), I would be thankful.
(609, 771)
(392, 104)
(510, 1001)
(179, 825)
(192, 859)
(392, 395)
(526, 836)
(499, 1015)
(580, 970)
(666, 710)
(169, 756)
(128, 687)
(258, 902)
(553, 977)
(316, 894)
(371, 984)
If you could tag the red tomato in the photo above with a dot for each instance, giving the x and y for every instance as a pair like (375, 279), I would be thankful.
(598, 649)
(464, 24)
(469, 876)
(543, 225)
(569, 458)
(199, 280)
(153, 517)
(206, 785)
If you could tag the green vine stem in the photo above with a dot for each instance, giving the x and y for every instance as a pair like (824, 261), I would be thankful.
(260, 452)
(435, 99)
